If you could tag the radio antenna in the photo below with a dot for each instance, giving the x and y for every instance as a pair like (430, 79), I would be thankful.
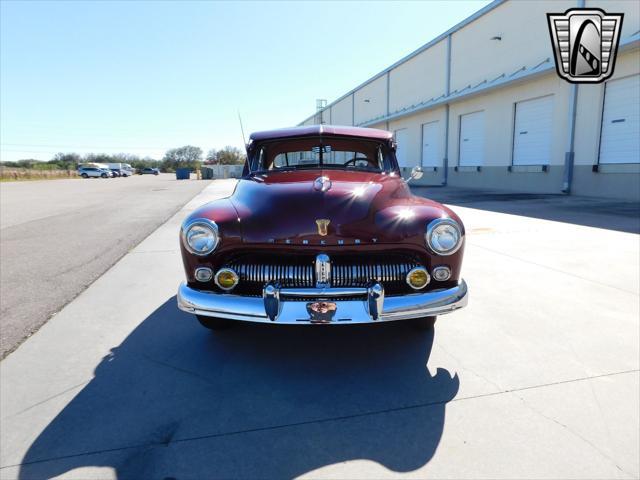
(244, 141)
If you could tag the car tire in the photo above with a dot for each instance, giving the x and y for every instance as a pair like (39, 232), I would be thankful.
(104, 175)
(84, 175)
(423, 323)
(213, 323)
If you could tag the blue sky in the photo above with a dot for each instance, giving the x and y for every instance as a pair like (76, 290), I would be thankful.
(142, 77)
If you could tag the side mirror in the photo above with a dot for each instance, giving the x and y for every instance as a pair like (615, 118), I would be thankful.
(416, 174)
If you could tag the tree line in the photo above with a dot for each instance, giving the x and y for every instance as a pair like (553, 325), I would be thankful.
(181, 157)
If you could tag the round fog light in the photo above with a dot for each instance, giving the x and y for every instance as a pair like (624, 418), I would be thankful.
(418, 278)
(203, 274)
(226, 278)
(442, 273)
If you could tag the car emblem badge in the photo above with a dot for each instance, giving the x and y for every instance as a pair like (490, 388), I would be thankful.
(322, 184)
(323, 270)
(585, 42)
(323, 226)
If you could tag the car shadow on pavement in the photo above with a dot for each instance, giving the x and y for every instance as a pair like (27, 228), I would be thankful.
(176, 401)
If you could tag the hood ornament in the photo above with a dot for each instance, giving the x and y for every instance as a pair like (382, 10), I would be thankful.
(322, 184)
(323, 226)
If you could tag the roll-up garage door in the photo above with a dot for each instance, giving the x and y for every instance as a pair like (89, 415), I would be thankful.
(431, 145)
(532, 132)
(472, 139)
(620, 136)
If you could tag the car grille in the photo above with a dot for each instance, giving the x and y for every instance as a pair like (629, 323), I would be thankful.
(356, 275)
(286, 275)
(345, 272)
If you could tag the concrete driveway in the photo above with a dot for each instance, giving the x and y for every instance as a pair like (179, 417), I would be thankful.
(58, 236)
(537, 378)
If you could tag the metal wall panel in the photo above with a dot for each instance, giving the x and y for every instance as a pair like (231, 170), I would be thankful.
(402, 151)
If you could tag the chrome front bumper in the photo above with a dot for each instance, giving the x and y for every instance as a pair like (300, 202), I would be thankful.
(321, 305)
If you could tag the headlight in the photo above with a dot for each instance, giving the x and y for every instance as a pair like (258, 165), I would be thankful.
(444, 236)
(200, 236)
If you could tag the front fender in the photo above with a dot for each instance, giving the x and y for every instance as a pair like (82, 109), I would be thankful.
(409, 220)
(223, 213)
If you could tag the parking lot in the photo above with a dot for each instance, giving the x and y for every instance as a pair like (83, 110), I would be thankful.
(537, 378)
(57, 237)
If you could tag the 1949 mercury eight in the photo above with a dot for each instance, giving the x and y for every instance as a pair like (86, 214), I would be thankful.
(322, 229)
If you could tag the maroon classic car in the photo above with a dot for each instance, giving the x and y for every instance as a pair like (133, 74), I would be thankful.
(322, 229)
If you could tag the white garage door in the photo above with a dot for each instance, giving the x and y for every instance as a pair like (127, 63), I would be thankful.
(472, 139)
(402, 140)
(620, 137)
(431, 145)
(532, 132)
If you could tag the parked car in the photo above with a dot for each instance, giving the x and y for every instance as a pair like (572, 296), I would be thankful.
(86, 172)
(322, 229)
(118, 172)
(149, 171)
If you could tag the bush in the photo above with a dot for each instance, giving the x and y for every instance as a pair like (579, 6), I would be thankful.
(8, 174)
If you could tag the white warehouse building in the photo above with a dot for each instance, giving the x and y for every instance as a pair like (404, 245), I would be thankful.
(481, 106)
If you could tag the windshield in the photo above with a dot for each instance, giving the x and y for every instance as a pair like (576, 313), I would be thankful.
(328, 153)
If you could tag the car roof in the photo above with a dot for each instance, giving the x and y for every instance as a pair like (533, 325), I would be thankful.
(322, 130)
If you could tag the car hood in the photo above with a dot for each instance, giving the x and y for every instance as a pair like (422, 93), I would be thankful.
(362, 207)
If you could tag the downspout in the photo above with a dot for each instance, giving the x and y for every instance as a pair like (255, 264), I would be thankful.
(353, 109)
(388, 90)
(569, 155)
(445, 160)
